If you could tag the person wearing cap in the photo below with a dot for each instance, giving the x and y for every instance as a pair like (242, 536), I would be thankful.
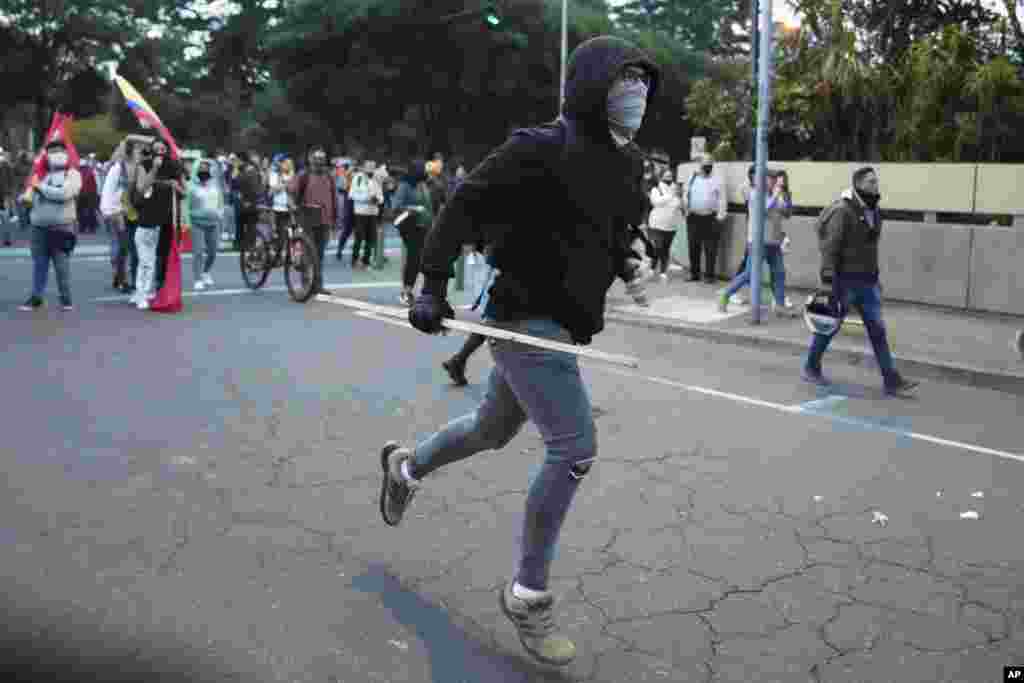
(54, 200)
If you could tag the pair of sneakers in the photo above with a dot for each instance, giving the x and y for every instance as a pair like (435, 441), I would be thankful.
(35, 303)
(141, 299)
(530, 611)
(206, 280)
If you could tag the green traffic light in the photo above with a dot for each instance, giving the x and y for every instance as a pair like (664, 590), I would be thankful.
(493, 19)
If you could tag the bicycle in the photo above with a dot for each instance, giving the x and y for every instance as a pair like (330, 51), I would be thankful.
(267, 246)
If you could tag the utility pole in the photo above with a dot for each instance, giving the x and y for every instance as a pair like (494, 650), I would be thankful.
(755, 38)
(759, 207)
(565, 53)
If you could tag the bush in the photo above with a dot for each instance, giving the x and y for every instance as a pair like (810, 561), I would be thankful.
(96, 135)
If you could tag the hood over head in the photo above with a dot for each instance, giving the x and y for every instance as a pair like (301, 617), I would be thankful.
(593, 67)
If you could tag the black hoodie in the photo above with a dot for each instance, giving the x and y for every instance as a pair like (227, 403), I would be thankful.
(557, 204)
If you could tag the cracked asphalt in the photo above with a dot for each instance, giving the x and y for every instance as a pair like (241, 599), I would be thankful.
(194, 497)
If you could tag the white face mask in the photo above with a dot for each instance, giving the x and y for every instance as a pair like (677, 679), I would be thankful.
(57, 160)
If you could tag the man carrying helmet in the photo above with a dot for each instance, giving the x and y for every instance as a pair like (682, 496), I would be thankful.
(848, 234)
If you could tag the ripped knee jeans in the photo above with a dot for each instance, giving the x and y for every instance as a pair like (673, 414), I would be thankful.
(545, 387)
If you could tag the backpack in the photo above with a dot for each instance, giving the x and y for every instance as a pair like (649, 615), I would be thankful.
(360, 189)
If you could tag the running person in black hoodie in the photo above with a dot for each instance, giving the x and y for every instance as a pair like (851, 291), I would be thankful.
(583, 175)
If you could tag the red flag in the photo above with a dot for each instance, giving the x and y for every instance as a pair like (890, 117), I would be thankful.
(60, 129)
(168, 299)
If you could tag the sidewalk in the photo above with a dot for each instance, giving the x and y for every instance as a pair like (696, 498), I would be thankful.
(928, 342)
(99, 245)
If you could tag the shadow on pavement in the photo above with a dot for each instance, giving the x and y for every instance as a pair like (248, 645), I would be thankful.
(455, 657)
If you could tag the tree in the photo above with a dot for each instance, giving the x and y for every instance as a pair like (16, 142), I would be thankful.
(56, 40)
(374, 69)
(691, 25)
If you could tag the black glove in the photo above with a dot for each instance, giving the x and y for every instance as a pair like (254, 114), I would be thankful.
(428, 311)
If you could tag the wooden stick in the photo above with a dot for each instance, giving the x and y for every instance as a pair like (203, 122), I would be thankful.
(390, 312)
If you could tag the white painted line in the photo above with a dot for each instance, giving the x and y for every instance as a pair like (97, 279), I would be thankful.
(820, 404)
(390, 321)
(272, 288)
(798, 410)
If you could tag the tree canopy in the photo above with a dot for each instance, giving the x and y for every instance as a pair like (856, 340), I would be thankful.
(861, 79)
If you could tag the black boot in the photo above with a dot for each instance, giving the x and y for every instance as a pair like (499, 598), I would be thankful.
(456, 368)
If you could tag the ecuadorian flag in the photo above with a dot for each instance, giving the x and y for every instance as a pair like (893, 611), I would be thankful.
(145, 114)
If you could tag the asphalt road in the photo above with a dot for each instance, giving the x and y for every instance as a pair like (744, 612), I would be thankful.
(193, 497)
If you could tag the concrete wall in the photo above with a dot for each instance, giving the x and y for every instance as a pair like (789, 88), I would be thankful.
(979, 268)
(946, 265)
(997, 275)
(939, 188)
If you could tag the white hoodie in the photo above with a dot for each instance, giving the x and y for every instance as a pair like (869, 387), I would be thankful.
(110, 195)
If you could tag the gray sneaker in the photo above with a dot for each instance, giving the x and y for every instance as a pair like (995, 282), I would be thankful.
(535, 622)
(396, 492)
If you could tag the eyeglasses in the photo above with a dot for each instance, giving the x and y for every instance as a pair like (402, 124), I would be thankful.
(633, 74)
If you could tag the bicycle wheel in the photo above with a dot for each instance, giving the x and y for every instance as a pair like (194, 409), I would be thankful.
(301, 266)
(255, 258)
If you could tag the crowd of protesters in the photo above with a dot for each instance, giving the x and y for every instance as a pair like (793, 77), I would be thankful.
(225, 197)
(140, 195)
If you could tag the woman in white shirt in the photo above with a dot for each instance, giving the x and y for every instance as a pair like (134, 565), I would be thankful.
(666, 217)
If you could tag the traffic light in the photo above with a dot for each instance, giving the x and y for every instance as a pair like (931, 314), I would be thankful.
(491, 16)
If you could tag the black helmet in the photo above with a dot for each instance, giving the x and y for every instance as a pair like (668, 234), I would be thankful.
(823, 313)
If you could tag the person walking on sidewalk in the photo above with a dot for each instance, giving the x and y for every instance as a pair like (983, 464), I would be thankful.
(585, 172)
(664, 220)
(706, 205)
(54, 200)
(849, 232)
(778, 209)
(206, 213)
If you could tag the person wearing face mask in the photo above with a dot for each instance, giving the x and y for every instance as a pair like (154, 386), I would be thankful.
(53, 214)
(706, 205)
(314, 187)
(158, 187)
(206, 212)
(664, 220)
(552, 280)
(849, 233)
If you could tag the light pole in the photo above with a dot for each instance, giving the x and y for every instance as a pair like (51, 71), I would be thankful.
(565, 52)
(759, 207)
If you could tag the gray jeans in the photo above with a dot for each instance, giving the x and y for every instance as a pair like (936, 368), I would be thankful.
(205, 240)
(545, 387)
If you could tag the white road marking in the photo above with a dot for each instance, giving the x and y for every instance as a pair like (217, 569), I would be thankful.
(390, 321)
(821, 403)
(272, 288)
(799, 410)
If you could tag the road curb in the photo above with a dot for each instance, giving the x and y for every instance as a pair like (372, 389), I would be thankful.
(913, 366)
